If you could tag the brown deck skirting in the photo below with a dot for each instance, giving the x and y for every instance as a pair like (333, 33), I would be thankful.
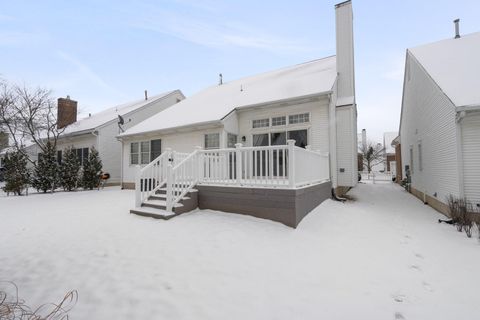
(288, 206)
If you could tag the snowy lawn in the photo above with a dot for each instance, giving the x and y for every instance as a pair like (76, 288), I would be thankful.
(383, 256)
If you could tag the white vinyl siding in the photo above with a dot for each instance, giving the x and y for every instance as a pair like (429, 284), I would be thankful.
(471, 156)
(429, 116)
(346, 147)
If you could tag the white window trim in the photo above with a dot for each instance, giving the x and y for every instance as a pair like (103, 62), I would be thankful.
(287, 121)
(140, 152)
(219, 140)
(269, 132)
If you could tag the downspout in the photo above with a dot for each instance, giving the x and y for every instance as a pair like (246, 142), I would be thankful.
(461, 186)
(121, 165)
(333, 148)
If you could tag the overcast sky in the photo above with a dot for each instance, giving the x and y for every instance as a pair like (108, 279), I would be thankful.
(103, 53)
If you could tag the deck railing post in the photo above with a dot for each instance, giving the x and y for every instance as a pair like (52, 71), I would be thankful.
(291, 163)
(238, 162)
(199, 165)
(169, 187)
(138, 188)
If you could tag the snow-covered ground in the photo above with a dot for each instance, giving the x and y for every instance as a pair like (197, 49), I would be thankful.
(383, 256)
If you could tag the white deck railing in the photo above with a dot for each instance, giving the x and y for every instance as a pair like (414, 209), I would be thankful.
(285, 166)
(154, 175)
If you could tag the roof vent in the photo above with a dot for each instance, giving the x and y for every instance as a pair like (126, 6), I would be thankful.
(146, 95)
(457, 28)
(220, 79)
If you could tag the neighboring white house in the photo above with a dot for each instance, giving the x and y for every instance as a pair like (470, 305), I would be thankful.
(389, 165)
(99, 130)
(312, 103)
(440, 120)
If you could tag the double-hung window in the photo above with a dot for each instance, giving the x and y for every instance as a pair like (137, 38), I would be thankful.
(144, 152)
(212, 141)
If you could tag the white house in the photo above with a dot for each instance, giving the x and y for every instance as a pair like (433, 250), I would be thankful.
(99, 130)
(242, 129)
(390, 164)
(440, 120)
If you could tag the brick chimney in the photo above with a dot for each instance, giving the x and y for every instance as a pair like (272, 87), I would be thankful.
(3, 140)
(66, 112)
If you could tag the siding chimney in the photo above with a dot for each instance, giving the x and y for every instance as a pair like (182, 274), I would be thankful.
(146, 95)
(457, 28)
(345, 61)
(66, 112)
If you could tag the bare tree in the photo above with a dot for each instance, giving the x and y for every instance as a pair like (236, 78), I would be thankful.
(372, 154)
(28, 115)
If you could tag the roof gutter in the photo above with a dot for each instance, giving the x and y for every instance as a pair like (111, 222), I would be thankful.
(172, 129)
(471, 107)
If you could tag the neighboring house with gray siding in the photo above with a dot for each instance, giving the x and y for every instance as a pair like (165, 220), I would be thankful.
(269, 139)
(440, 120)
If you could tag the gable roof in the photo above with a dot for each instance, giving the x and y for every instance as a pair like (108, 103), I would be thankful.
(454, 65)
(388, 137)
(96, 120)
(214, 103)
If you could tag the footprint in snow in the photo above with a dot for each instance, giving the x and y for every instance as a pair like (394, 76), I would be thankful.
(398, 297)
(399, 316)
(418, 255)
(427, 286)
(415, 267)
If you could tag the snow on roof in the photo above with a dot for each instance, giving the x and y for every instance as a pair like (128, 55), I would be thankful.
(388, 137)
(98, 119)
(454, 65)
(214, 103)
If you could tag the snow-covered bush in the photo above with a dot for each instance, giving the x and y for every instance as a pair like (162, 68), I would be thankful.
(16, 173)
(92, 169)
(45, 177)
(69, 170)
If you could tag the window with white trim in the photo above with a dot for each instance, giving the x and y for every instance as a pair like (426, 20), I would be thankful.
(134, 153)
(145, 152)
(212, 140)
(299, 118)
(231, 140)
(260, 123)
(279, 121)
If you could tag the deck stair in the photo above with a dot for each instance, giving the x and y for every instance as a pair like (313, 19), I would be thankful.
(156, 205)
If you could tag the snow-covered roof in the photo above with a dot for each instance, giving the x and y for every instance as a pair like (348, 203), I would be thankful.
(388, 137)
(214, 103)
(101, 118)
(454, 64)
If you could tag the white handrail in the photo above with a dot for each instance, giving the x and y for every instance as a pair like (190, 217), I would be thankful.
(181, 179)
(151, 177)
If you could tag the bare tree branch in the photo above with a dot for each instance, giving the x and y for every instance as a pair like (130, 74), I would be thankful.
(372, 154)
